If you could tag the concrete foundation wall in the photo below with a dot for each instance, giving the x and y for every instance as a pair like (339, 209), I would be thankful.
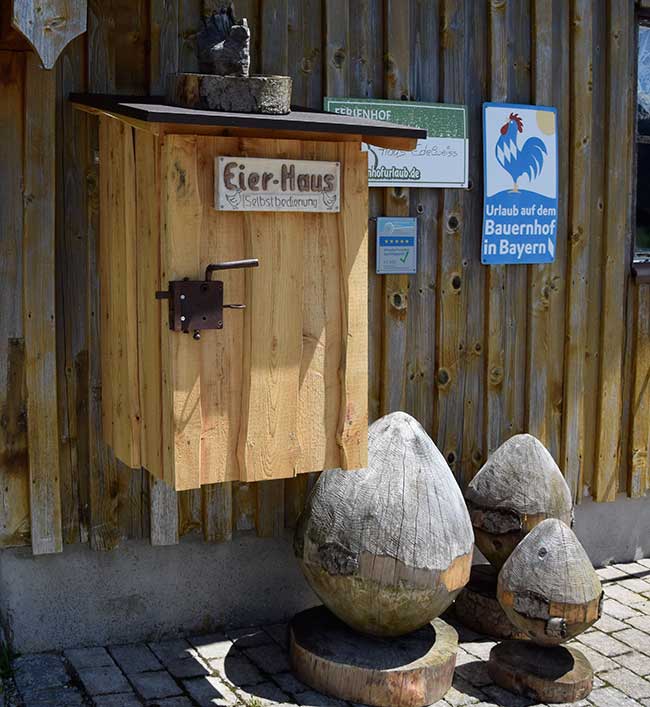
(139, 592)
(83, 597)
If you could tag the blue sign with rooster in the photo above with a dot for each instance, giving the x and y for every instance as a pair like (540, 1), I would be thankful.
(520, 210)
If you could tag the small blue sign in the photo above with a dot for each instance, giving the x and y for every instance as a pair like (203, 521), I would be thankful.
(397, 244)
(520, 209)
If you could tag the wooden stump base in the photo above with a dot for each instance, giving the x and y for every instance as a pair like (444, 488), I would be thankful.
(545, 673)
(236, 94)
(406, 671)
(477, 606)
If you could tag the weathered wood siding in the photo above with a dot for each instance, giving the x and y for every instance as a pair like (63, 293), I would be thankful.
(475, 353)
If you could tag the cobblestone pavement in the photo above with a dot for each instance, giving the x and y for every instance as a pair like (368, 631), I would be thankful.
(250, 666)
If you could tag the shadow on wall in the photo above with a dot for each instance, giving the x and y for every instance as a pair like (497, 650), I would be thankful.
(614, 532)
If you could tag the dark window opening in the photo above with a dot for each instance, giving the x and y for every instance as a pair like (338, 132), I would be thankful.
(642, 243)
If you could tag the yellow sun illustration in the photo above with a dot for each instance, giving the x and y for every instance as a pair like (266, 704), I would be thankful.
(546, 121)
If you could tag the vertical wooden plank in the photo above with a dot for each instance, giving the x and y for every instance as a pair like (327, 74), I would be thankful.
(305, 55)
(189, 23)
(217, 512)
(147, 242)
(581, 164)
(546, 306)
(424, 205)
(366, 51)
(164, 44)
(274, 59)
(616, 245)
(39, 308)
(274, 47)
(14, 471)
(181, 258)
(337, 47)
(451, 344)
(353, 246)
(72, 302)
(506, 337)
(639, 473)
(396, 203)
(473, 273)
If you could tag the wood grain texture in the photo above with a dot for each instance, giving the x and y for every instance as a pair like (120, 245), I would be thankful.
(14, 465)
(39, 309)
(49, 26)
(639, 475)
(547, 301)
(616, 249)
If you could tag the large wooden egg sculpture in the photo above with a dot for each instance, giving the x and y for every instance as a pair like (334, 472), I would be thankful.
(548, 586)
(519, 486)
(387, 548)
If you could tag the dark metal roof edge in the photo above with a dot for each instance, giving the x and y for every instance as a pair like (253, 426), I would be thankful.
(121, 105)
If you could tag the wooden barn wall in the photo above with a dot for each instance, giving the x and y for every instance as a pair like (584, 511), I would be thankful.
(477, 354)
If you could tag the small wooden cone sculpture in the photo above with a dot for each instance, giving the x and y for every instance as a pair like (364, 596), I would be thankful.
(518, 487)
(387, 549)
(549, 590)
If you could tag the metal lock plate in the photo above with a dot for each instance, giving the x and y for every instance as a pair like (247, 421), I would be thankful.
(195, 305)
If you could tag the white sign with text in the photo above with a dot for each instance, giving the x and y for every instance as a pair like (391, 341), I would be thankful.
(260, 184)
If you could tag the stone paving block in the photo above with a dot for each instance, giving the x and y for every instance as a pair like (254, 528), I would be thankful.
(94, 657)
(631, 567)
(643, 607)
(636, 662)
(290, 683)
(135, 658)
(598, 661)
(249, 637)
(617, 610)
(123, 699)
(180, 658)
(634, 584)
(210, 692)
(627, 682)
(212, 646)
(642, 622)
(611, 697)
(505, 698)
(315, 699)
(463, 693)
(610, 572)
(174, 702)
(638, 640)
(475, 672)
(608, 624)
(153, 686)
(621, 594)
(481, 649)
(279, 633)
(39, 671)
(603, 643)
(271, 659)
(53, 697)
(266, 694)
(103, 681)
(238, 670)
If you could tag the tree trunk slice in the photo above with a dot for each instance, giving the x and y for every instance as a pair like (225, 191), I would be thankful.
(548, 674)
(407, 671)
(234, 94)
(478, 608)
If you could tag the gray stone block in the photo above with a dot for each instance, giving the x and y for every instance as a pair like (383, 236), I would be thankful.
(135, 658)
(249, 637)
(627, 682)
(290, 683)
(636, 662)
(103, 681)
(279, 633)
(123, 699)
(174, 702)
(638, 640)
(265, 693)
(39, 671)
(316, 699)
(53, 697)
(271, 659)
(210, 692)
(238, 670)
(94, 657)
(152, 686)
(611, 697)
(603, 643)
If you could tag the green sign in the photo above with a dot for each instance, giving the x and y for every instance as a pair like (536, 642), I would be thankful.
(440, 160)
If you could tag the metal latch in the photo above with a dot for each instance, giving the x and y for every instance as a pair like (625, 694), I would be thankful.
(198, 304)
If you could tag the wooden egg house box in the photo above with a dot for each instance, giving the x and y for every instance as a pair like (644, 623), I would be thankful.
(193, 389)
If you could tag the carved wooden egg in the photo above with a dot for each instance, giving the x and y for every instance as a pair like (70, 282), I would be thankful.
(548, 586)
(519, 486)
(387, 548)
